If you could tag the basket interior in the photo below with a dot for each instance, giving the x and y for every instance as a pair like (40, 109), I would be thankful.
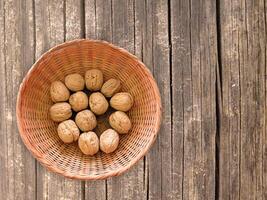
(38, 131)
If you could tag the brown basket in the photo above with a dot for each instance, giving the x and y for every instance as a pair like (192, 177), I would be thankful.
(39, 133)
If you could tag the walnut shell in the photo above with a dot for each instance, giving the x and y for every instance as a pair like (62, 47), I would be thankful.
(120, 122)
(60, 111)
(75, 82)
(86, 120)
(122, 101)
(109, 141)
(98, 103)
(93, 79)
(59, 92)
(111, 87)
(68, 131)
(78, 101)
(89, 143)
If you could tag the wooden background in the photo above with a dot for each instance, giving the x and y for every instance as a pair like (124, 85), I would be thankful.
(209, 60)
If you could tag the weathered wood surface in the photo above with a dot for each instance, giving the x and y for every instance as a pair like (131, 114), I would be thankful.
(243, 93)
(51, 20)
(17, 167)
(209, 60)
(194, 62)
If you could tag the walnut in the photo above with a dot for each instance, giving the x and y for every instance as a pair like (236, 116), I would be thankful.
(111, 87)
(89, 143)
(59, 92)
(109, 141)
(75, 82)
(120, 122)
(60, 111)
(68, 131)
(78, 101)
(86, 120)
(98, 103)
(122, 101)
(93, 79)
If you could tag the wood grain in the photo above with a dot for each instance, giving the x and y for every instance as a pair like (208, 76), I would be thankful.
(50, 30)
(177, 40)
(141, 41)
(199, 103)
(97, 26)
(90, 18)
(181, 90)
(129, 185)
(17, 167)
(231, 107)
(194, 60)
(243, 134)
(159, 158)
(264, 136)
(74, 19)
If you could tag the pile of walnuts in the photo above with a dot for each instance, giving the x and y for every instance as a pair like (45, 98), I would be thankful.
(70, 99)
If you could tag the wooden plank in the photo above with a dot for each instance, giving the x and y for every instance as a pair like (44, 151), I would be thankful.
(144, 50)
(156, 54)
(90, 18)
(231, 109)
(253, 102)
(103, 20)
(17, 168)
(243, 50)
(194, 58)
(74, 29)
(199, 142)
(129, 185)
(98, 20)
(50, 31)
(181, 90)
(142, 42)
(74, 19)
(97, 26)
(3, 128)
(264, 138)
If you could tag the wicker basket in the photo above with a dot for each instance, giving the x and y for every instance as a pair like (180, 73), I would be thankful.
(39, 134)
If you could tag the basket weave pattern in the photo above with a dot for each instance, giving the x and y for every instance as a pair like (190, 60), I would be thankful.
(39, 132)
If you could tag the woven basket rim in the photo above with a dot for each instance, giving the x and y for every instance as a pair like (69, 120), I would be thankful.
(40, 157)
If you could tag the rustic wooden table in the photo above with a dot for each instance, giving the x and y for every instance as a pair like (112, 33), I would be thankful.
(209, 60)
